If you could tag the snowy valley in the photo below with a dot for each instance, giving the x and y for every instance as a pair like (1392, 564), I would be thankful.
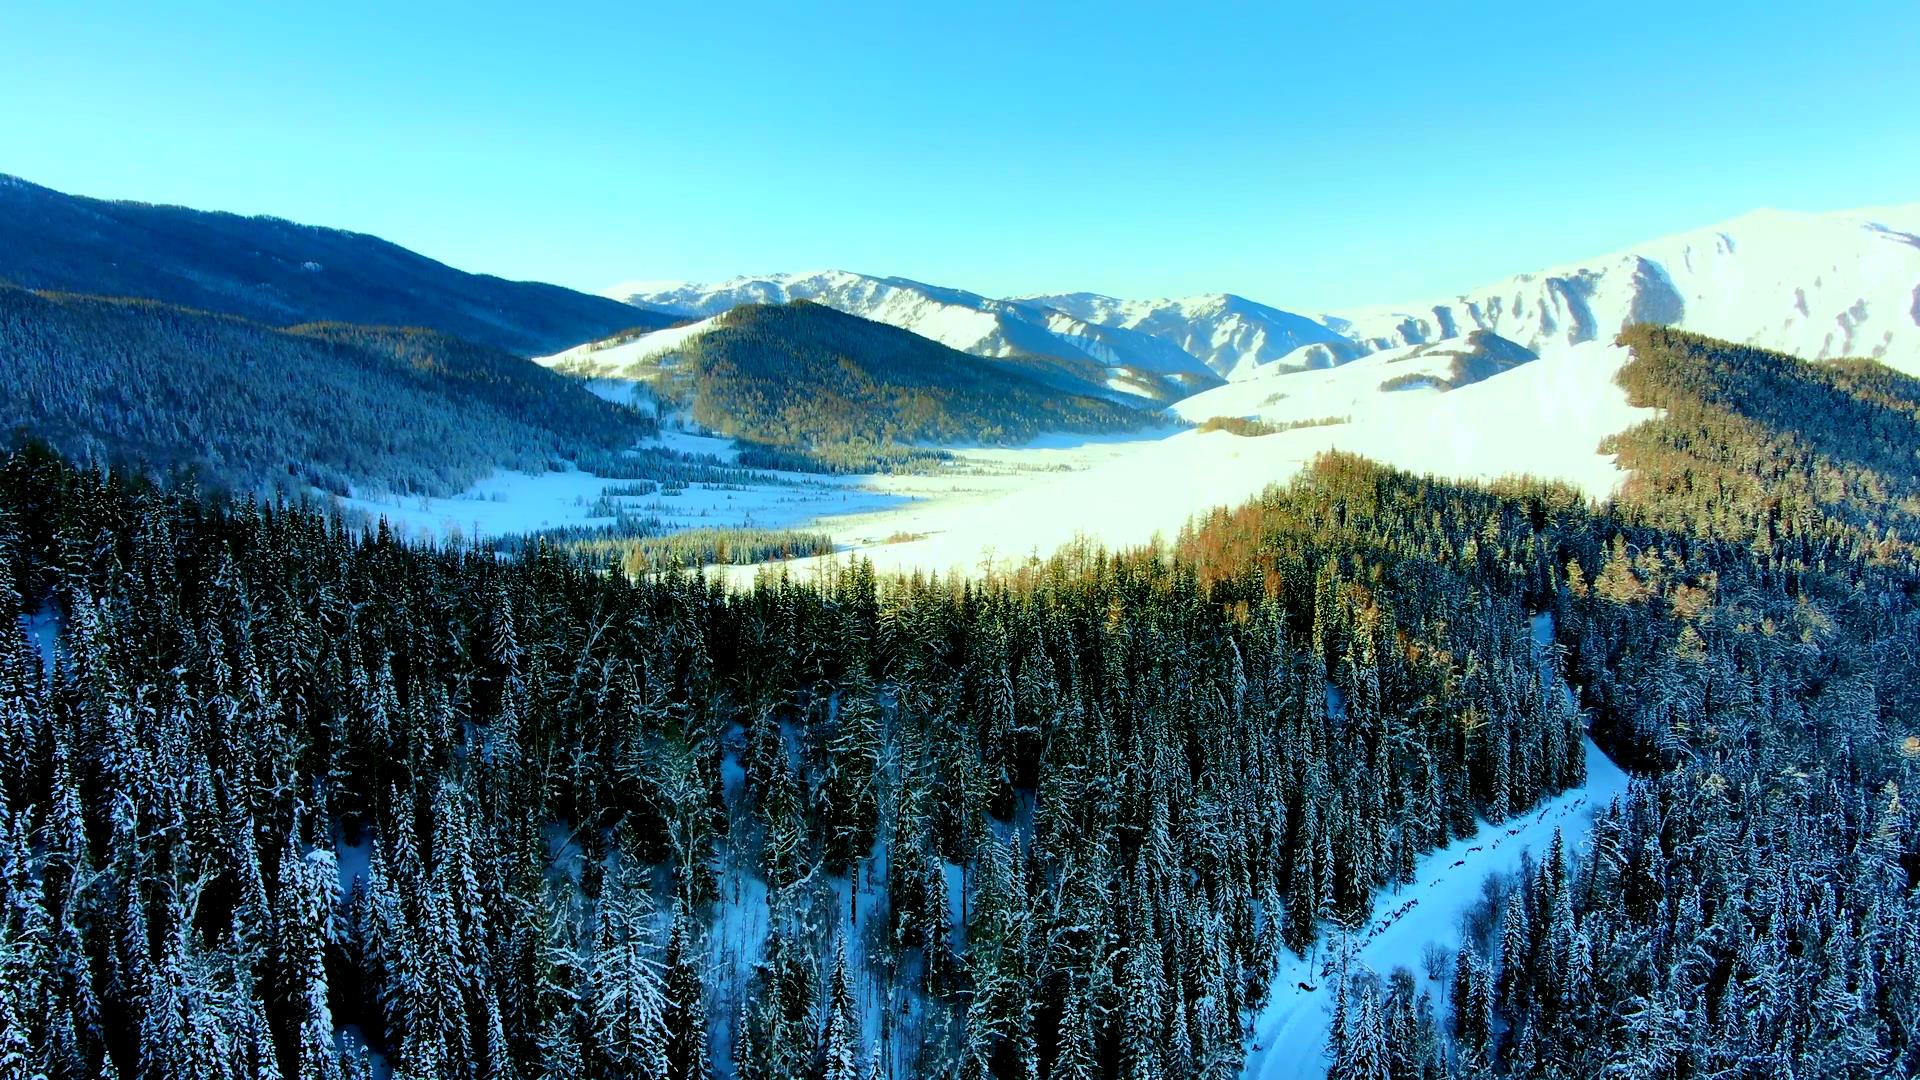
(864, 679)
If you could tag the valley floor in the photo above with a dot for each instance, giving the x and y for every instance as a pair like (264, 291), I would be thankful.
(1546, 418)
(509, 503)
(1003, 505)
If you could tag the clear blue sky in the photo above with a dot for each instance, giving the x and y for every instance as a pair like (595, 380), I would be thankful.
(1299, 157)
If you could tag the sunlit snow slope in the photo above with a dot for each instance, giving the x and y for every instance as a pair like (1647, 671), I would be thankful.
(624, 356)
(1353, 391)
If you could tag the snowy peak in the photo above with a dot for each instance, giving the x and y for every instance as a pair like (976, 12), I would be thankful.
(1816, 285)
(1129, 363)
(1226, 332)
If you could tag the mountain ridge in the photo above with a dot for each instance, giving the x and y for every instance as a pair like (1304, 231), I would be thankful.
(1815, 284)
(280, 272)
(332, 406)
(1140, 365)
(809, 378)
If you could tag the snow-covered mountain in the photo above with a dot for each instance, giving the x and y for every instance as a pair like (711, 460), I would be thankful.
(1136, 364)
(1228, 333)
(1815, 285)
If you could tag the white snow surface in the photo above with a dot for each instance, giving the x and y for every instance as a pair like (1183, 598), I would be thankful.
(615, 358)
(507, 502)
(1354, 389)
(1545, 417)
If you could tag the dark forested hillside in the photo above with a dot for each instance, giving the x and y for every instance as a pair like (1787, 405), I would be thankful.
(281, 273)
(805, 376)
(1764, 447)
(250, 406)
(280, 799)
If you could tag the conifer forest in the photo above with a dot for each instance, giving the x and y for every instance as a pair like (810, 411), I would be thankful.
(284, 795)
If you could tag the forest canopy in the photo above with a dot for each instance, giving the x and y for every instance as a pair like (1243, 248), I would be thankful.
(805, 377)
(251, 407)
(281, 798)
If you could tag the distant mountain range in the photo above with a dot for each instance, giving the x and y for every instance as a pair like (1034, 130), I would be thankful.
(1816, 285)
(1122, 360)
(264, 352)
(280, 273)
(1227, 333)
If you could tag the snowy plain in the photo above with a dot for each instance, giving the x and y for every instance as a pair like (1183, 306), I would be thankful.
(1545, 418)
(507, 503)
(1000, 506)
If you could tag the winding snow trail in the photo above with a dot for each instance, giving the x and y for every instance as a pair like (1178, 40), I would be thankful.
(1290, 1033)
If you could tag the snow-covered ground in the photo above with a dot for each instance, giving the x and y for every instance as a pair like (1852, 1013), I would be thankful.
(507, 503)
(1546, 417)
(617, 356)
(1355, 389)
(999, 505)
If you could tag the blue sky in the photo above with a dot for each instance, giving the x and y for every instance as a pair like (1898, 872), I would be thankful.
(1304, 158)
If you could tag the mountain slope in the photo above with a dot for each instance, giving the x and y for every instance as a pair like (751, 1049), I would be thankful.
(1360, 387)
(251, 406)
(805, 376)
(1228, 333)
(1129, 362)
(1815, 285)
(281, 273)
(1756, 446)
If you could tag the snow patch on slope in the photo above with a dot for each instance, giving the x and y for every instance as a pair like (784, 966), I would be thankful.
(1278, 394)
(617, 357)
(1546, 417)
